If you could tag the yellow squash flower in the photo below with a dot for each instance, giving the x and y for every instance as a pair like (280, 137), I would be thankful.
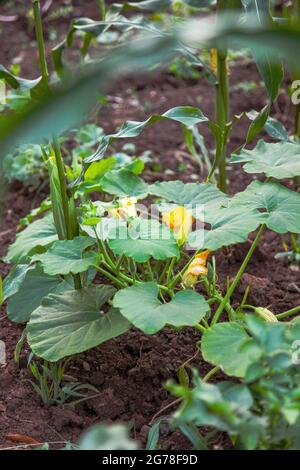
(180, 220)
(126, 208)
(196, 268)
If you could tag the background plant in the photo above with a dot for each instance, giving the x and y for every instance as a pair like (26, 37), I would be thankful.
(261, 412)
(48, 384)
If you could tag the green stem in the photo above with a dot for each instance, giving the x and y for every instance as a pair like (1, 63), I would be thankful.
(119, 262)
(164, 271)
(217, 299)
(40, 38)
(102, 9)
(108, 263)
(170, 271)
(105, 253)
(222, 113)
(211, 373)
(200, 328)
(65, 202)
(181, 273)
(288, 313)
(111, 277)
(150, 270)
(295, 243)
(63, 186)
(77, 281)
(237, 278)
(219, 152)
(129, 280)
(248, 307)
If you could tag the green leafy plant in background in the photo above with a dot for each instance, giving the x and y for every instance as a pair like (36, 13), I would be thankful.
(26, 165)
(48, 384)
(258, 13)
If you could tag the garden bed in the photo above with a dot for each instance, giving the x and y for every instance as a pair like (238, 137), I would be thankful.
(130, 371)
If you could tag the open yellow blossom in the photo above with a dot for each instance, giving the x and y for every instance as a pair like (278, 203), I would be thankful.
(180, 220)
(196, 268)
(126, 208)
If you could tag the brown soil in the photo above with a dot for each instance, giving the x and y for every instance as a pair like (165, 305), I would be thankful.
(130, 371)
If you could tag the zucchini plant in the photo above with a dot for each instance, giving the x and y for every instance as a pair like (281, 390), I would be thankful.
(149, 268)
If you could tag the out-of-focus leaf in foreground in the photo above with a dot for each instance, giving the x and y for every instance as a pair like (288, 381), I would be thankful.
(72, 100)
(54, 114)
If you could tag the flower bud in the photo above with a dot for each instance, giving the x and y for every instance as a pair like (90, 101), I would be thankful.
(266, 314)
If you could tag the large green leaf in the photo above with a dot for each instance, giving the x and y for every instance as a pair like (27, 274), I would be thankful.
(40, 233)
(222, 345)
(194, 194)
(282, 205)
(227, 226)
(72, 322)
(35, 286)
(15, 279)
(141, 306)
(66, 257)
(186, 115)
(280, 160)
(144, 239)
(124, 183)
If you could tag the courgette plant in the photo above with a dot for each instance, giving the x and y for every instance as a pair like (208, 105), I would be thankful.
(148, 277)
